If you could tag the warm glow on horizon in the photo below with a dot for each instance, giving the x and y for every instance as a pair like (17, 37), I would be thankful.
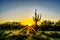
(29, 24)
(27, 21)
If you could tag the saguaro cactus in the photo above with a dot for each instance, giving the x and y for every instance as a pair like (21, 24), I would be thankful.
(36, 18)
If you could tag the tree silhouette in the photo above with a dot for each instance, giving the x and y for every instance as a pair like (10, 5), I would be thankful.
(10, 26)
(47, 25)
(16, 25)
(57, 26)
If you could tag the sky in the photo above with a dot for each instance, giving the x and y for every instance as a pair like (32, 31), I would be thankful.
(23, 10)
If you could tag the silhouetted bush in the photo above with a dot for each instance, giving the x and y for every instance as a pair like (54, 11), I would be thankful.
(10, 26)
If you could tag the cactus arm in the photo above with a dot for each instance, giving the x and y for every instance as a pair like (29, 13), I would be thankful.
(33, 18)
(40, 17)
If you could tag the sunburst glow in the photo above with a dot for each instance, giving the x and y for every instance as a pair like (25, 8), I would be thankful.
(29, 28)
(29, 24)
(27, 21)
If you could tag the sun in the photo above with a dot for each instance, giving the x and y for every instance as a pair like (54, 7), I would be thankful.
(29, 24)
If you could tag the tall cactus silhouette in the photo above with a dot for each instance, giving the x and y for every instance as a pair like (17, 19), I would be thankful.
(36, 18)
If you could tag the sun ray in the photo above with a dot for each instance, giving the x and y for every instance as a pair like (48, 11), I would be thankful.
(29, 28)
